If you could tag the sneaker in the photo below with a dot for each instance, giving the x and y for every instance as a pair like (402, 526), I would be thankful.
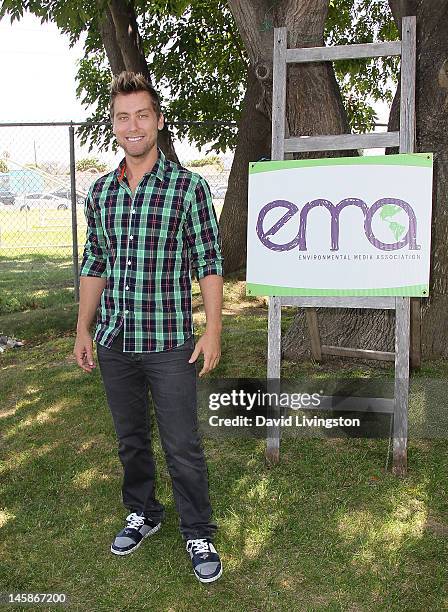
(138, 527)
(206, 562)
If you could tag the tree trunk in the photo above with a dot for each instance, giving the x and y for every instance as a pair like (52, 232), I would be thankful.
(431, 136)
(128, 37)
(254, 142)
(107, 31)
(121, 39)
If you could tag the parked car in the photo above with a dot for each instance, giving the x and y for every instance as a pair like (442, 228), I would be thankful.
(42, 200)
(7, 197)
(67, 195)
(219, 192)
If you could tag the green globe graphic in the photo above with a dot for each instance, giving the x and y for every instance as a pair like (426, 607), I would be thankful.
(387, 214)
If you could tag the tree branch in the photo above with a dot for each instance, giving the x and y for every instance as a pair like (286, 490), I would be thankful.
(107, 32)
(128, 37)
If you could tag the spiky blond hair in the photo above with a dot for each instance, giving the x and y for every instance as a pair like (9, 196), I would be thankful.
(129, 82)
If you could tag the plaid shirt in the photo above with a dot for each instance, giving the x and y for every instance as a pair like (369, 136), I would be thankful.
(145, 246)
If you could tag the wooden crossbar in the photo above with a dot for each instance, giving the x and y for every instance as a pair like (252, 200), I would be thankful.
(379, 303)
(341, 142)
(342, 351)
(342, 52)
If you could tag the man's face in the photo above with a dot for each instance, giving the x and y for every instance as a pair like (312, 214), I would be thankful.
(135, 123)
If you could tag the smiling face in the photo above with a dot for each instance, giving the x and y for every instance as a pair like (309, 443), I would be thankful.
(135, 123)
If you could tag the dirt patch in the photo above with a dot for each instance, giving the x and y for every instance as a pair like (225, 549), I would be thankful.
(436, 527)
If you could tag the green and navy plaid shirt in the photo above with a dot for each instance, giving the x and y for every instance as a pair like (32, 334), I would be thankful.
(146, 246)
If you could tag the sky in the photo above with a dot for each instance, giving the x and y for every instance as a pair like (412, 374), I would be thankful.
(38, 73)
(40, 68)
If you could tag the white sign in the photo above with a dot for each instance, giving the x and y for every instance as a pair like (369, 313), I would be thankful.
(345, 226)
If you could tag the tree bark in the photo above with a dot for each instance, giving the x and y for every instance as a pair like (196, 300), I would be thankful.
(375, 329)
(128, 37)
(402, 8)
(432, 136)
(304, 19)
(106, 28)
(254, 142)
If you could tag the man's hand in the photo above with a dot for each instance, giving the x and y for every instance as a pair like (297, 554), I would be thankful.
(83, 351)
(210, 345)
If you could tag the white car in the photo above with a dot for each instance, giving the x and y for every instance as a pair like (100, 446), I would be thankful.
(42, 200)
(218, 194)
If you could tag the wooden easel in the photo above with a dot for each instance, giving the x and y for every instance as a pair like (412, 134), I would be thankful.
(404, 138)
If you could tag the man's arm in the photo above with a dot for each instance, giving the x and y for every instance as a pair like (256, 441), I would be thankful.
(92, 284)
(202, 232)
(90, 290)
(210, 342)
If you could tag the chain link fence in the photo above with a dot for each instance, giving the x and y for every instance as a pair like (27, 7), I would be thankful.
(42, 226)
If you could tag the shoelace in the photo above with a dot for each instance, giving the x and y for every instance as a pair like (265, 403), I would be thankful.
(134, 521)
(199, 545)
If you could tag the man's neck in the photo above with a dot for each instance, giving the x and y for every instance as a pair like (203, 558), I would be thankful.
(136, 167)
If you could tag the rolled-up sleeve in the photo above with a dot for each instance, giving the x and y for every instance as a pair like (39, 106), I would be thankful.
(202, 232)
(94, 260)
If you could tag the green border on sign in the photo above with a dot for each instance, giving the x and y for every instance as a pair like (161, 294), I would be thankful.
(401, 159)
(406, 291)
(424, 160)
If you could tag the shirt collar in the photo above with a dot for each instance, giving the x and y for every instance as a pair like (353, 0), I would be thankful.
(158, 168)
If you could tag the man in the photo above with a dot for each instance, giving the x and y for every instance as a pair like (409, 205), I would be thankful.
(150, 223)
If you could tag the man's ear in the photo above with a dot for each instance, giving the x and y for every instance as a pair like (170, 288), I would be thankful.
(161, 122)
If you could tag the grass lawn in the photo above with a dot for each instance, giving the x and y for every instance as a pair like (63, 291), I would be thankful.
(326, 529)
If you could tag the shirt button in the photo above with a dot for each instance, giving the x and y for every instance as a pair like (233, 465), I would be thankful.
(131, 237)
(127, 287)
(129, 262)
(126, 312)
(133, 211)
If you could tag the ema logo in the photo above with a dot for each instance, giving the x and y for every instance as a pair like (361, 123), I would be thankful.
(390, 208)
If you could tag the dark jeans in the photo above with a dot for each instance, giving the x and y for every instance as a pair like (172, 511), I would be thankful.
(127, 379)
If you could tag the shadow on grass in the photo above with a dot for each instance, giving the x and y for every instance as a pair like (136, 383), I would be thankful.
(325, 529)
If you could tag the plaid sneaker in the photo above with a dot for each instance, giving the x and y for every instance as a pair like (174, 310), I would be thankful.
(138, 527)
(206, 562)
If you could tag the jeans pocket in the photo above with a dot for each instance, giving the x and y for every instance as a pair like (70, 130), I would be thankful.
(187, 345)
(190, 343)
